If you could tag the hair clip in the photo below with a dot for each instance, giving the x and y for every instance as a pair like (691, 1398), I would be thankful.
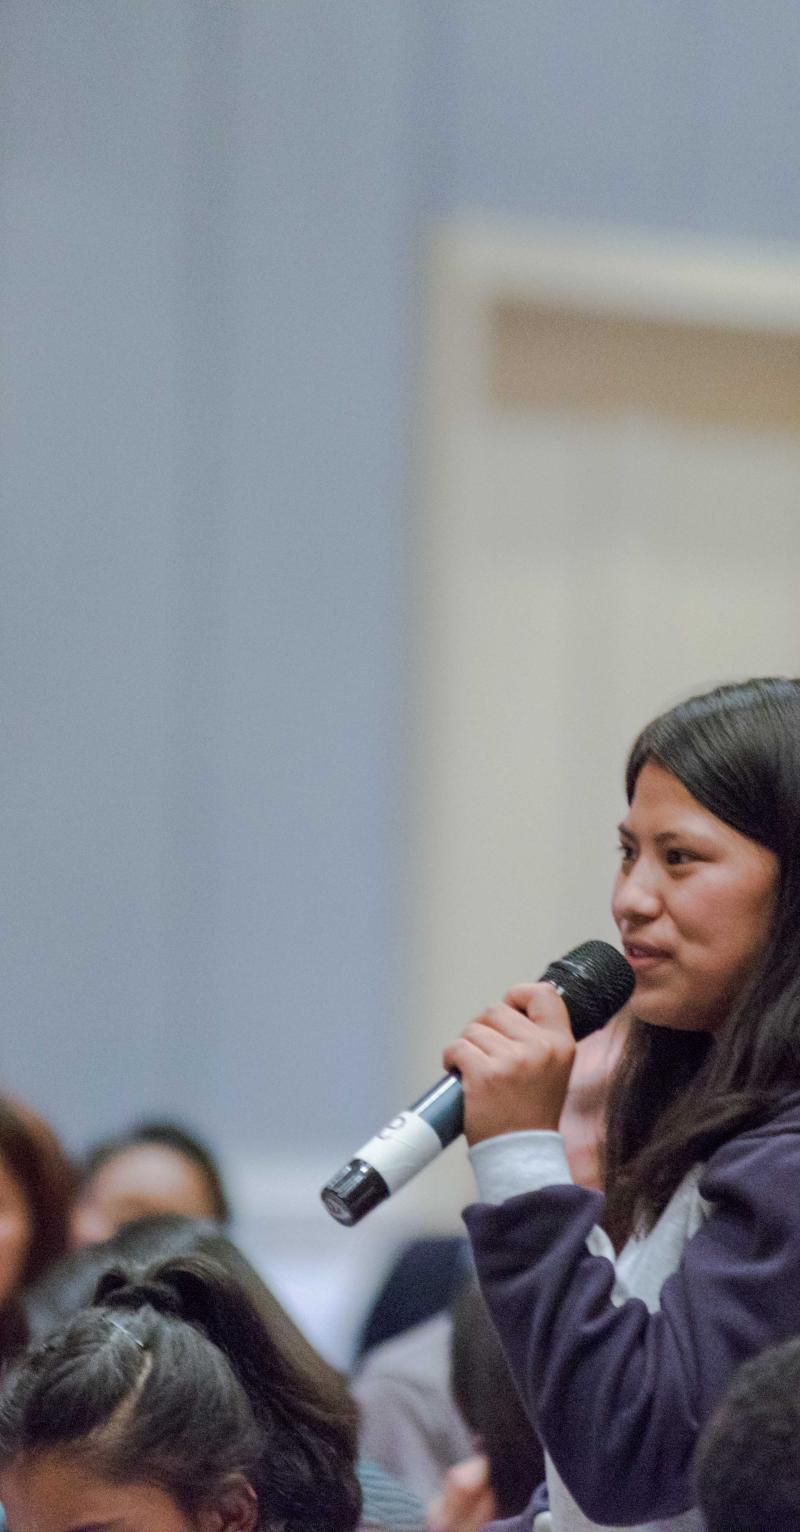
(126, 1331)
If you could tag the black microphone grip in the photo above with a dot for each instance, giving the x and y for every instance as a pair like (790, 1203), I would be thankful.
(594, 981)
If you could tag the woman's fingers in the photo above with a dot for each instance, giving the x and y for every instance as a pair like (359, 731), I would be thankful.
(490, 1031)
(542, 1003)
(514, 1061)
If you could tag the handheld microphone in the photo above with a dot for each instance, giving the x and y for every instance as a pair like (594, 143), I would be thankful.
(593, 980)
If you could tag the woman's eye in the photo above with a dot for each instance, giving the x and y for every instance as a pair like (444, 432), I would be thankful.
(675, 857)
(626, 852)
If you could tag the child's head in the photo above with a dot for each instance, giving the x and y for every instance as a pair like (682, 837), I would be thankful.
(748, 1460)
(176, 1406)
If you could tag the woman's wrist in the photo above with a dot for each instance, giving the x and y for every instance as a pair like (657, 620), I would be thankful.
(512, 1163)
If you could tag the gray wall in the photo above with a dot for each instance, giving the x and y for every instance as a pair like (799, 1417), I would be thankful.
(213, 225)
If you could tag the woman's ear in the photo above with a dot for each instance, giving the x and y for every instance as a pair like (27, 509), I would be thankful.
(235, 1508)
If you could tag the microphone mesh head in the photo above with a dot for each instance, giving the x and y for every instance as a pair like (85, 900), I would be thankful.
(595, 981)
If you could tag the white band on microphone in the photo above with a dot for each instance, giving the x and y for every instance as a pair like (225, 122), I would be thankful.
(401, 1149)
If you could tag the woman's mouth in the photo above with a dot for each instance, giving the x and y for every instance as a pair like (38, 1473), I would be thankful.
(643, 957)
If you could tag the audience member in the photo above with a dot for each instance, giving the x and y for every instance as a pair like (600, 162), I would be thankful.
(153, 1167)
(410, 1423)
(500, 1476)
(747, 1467)
(313, 1392)
(35, 1191)
(174, 1404)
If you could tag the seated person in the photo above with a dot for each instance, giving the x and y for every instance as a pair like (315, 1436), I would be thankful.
(507, 1463)
(35, 1192)
(410, 1423)
(747, 1466)
(153, 1167)
(167, 1407)
(311, 1404)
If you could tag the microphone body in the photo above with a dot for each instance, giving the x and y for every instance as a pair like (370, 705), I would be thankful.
(594, 981)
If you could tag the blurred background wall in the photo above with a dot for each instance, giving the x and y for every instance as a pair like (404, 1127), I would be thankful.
(215, 226)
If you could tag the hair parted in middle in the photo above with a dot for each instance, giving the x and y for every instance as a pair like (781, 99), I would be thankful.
(211, 1383)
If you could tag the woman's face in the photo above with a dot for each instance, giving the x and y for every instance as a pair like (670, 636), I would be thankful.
(51, 1492)
(16, 1232)
(137, 1181)
(694, 902)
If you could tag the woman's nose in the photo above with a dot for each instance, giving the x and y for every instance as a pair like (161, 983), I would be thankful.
(636, 895)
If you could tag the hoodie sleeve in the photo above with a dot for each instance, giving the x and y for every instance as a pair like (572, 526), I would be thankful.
(620, 1394)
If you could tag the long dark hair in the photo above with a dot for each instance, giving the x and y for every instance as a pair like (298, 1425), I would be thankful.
(35, 1160)
(215, 1380)
(483, 1387)
(39, 1165)
(677, 1095)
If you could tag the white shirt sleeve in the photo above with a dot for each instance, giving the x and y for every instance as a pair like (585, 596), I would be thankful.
(513, 1163)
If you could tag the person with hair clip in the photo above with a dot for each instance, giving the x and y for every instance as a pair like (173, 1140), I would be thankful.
(171, 1405)
(625, 1316)
(307, 1404)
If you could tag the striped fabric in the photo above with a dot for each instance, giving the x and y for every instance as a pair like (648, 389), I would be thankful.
(387, 1502)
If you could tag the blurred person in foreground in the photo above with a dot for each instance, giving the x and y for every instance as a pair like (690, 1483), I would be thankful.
(747, 1467)
(305, 1403)
(152, 1167)
(173, 1405)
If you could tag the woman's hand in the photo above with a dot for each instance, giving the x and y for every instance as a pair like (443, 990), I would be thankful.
(514, 1061)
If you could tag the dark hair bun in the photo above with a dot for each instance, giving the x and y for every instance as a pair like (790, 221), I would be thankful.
(116, 1291)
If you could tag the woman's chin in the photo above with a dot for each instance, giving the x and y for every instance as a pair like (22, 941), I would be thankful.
(661, 1010)
(672, 1019)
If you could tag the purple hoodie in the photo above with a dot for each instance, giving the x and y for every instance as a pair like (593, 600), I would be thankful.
(619, 1393)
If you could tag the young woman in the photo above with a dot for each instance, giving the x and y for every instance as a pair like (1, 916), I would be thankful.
(624, 1318)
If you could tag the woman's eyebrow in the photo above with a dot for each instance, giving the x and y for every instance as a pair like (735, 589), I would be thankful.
(686, 833)
(663, 836)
